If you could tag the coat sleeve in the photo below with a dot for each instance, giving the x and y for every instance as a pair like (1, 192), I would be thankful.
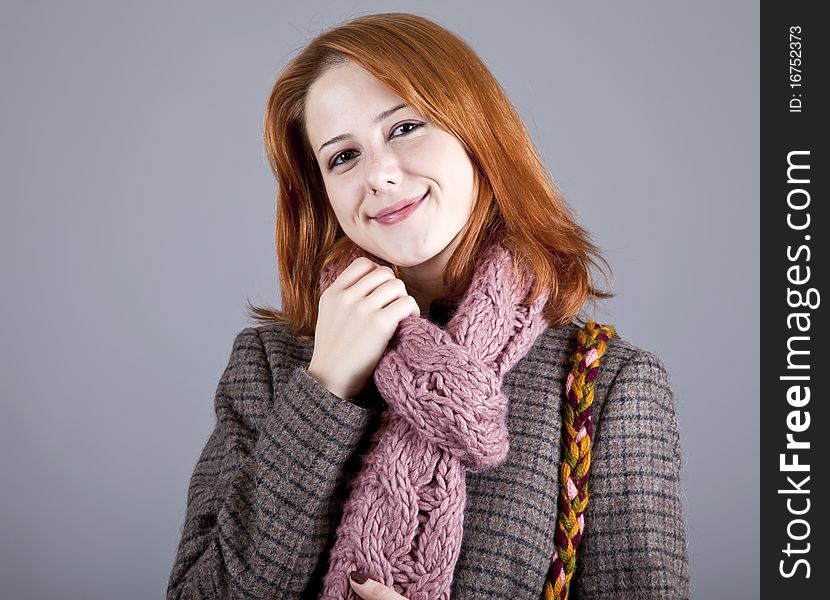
(634, 545)
(260, 503)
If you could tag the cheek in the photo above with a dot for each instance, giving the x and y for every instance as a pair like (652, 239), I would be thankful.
(442, 157)
(343, 197)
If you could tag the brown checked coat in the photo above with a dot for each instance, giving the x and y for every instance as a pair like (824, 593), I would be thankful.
(265, 496)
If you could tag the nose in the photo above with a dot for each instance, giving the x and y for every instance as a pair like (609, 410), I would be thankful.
(382, 171)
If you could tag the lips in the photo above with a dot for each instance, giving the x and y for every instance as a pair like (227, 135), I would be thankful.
(398, 206)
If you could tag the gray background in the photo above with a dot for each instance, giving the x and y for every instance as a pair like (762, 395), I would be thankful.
(137, 216)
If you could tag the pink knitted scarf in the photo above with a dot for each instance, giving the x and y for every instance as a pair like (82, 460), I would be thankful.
(402, 522)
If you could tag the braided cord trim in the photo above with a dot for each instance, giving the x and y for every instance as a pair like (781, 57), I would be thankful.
(577, 434)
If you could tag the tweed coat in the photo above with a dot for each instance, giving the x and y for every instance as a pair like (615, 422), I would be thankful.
(266, 493)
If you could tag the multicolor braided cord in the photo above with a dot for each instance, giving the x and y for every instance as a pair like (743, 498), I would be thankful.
(577, 434)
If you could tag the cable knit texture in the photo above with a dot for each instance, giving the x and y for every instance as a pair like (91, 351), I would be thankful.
(402, 523)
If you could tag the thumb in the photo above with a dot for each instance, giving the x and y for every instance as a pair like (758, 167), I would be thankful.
(369, 589)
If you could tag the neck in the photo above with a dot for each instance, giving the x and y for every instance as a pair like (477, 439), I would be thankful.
(425, 281)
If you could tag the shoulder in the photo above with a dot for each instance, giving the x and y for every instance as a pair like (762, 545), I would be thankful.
(625, 370)
(620, 353)
(273, 345)
(634, 407)
(261, 358)
(634, 366)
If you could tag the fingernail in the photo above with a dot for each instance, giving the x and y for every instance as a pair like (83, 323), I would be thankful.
(358, 577)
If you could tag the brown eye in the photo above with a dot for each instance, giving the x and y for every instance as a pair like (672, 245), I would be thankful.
(345, 155)
(407, 127)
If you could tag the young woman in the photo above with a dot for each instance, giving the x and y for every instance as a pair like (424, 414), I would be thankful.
(396, 430)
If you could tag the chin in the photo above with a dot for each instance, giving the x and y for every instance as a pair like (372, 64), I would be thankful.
(407, 259)
(414, 253)
(408, 253)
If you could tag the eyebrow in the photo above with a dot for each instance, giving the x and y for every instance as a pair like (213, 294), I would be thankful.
(380, 117)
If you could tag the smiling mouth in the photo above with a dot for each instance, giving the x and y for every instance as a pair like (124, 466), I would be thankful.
(402, 213)
(404, 205)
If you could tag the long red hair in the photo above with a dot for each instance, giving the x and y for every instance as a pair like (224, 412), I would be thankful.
(440, 76)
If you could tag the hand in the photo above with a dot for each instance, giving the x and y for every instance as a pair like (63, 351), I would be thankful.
(371, 589)
(358, 315)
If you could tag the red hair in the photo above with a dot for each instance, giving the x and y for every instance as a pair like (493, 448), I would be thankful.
(441, 77)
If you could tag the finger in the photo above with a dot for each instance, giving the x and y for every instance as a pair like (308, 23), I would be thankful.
(371, 589)
(371, 281)
(386, 293)
(358, 268)
(403, 307)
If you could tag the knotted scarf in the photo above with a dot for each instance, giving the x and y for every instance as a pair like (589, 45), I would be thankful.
(402, 521)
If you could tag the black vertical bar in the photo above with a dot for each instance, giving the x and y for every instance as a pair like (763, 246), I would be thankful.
(794, 230)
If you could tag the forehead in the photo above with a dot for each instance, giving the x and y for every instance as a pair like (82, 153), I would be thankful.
(344, 98)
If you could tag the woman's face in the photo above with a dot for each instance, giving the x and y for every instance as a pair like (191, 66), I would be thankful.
(376, 153)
